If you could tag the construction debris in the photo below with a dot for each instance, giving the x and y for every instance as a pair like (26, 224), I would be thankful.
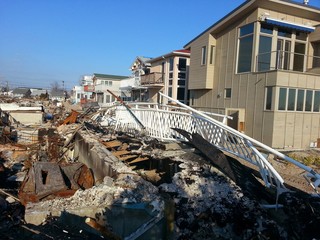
(46, 179)
(74, 179)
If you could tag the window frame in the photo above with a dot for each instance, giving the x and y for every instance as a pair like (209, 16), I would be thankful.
(242, 36)
(203, 55)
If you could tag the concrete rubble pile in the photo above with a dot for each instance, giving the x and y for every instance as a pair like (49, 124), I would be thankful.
(85, 181)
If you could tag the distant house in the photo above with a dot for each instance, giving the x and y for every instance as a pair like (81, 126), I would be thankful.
(139, 67)
(58, 95)
(36, 92)
(104, 82)
(83, 92)
(167, 73)
(21, 92)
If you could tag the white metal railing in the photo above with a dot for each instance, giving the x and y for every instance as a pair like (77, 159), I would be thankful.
(285, 60)
(158, 121)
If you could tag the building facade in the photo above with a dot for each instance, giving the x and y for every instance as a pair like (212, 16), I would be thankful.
(139, 67)
(104, 82)
(168, 74)
(261, 64)
(83, 93)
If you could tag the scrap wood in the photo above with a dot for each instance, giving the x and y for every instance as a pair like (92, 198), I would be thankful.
(102, 229)
(72, 136)
(139, 159)
(72, 118)
(112, 144)
(127, 157)
(121, 152)
(36, 231)
(10, 195)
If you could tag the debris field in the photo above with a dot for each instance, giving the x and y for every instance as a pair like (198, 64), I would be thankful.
(70, 178)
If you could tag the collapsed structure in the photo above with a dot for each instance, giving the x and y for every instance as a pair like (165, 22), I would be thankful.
(104, 173)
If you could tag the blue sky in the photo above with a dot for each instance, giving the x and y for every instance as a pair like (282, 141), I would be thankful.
(47, 41)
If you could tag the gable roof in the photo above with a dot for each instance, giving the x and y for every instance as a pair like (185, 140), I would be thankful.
(249, 5)
(181, 52)
(109, 76)
(141, 59)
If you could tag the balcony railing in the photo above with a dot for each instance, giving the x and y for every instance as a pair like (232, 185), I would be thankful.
(290, 61)
(152, 78)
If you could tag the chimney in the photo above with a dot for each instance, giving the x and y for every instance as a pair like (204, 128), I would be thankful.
(305, 2)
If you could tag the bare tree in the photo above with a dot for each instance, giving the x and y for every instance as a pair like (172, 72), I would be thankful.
(55, 87)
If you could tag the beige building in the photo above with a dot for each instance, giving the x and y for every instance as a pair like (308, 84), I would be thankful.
(168, 74)
(104, 82)
(261, 64)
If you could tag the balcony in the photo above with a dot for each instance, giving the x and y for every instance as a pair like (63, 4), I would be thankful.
(152, 79)
(287, 61)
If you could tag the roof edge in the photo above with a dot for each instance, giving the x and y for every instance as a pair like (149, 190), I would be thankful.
(247, 2)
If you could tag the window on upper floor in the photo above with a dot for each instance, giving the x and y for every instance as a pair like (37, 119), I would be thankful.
(245, 48)
(316, 102)
(171, 64)
(268, 98)
(316, 54)
(212, 54)
(281, 48)
(182, 75)
(181, 82)
(182, 64)
(203, 55)
(265, 48)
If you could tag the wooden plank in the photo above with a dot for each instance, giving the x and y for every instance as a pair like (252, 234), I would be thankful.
(112, 144)
(121, 152)
(127, 157)
(139, 159)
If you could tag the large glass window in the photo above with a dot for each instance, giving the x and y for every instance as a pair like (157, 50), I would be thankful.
(288, 52)
(292, 99)
(182, 64)
(282, 99)
(268, 98)
(267, 29)
(300, 100)
(245, 48)
(308, 102)
(182, 75)
(264, 56)
(299, 53)
(316, 102)
(283, 32)
(171, 64)
(181, 82)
